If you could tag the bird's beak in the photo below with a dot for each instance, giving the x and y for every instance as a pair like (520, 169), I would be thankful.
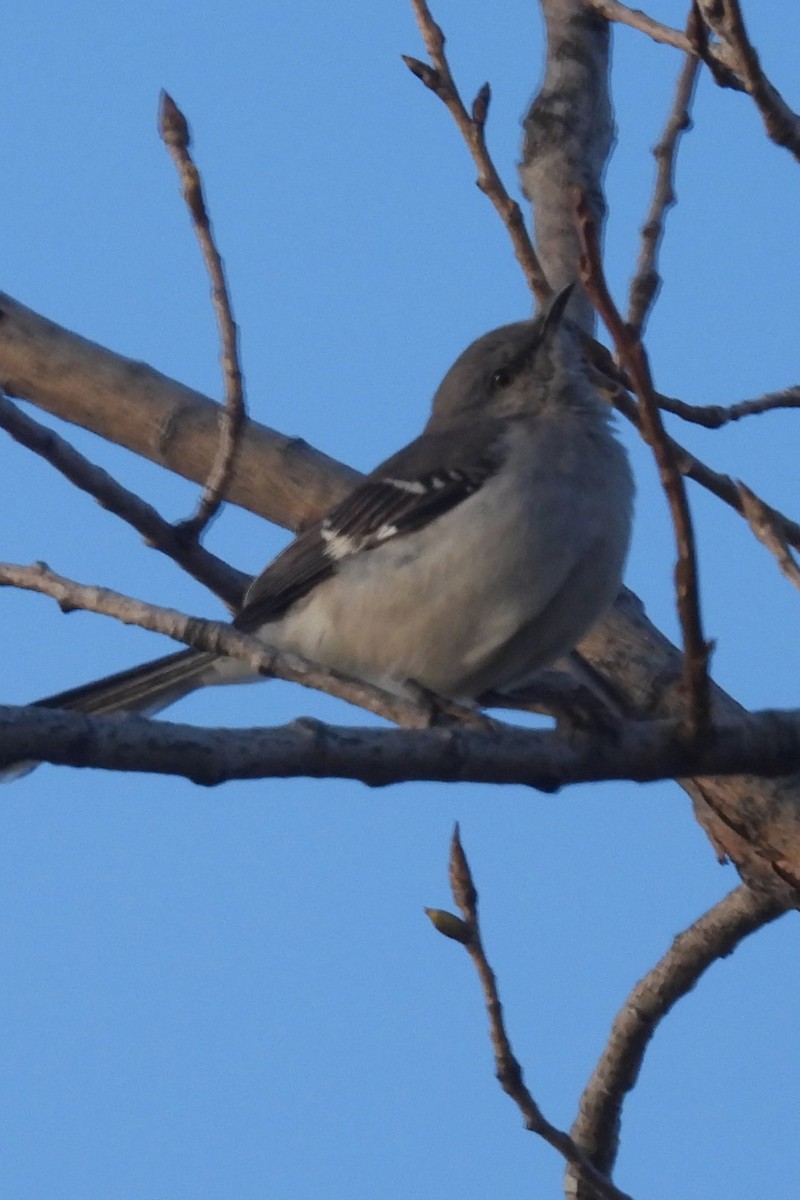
(555, 311)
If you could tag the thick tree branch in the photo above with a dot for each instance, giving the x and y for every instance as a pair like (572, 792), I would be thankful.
(135, 406)
(569, 131)
(713, 936)
(767, 742)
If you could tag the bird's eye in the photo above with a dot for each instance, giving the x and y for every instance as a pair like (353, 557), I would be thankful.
(501, 378)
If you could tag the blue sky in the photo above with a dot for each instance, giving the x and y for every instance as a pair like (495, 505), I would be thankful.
(235, 993)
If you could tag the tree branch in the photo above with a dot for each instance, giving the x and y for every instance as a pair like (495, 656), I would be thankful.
(438, 78)
(634, 358)
(714, 416)
(724, 19)
(722, 486)
(760, 519)
(225, 581)
(766, 742)
(132, 405)
(713, 936)
(666, 35)
(508, 1069)
(569, 132)
(174, 130)
(646, 282)
(220, 638)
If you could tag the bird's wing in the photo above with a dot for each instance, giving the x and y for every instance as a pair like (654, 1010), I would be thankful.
(422, 482)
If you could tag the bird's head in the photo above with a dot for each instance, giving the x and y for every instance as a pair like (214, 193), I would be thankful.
(513, 371)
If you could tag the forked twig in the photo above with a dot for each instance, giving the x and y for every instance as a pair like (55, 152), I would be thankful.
(438, 78)
(634, 359)
(724, 19)
(723, 68)
(174, 130)
(508, 1069)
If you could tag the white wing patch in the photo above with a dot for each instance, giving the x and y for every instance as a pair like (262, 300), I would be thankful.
(414, 487)
(349, 530)
(338, 545)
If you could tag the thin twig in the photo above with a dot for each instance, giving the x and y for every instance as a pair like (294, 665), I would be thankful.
(612, 381)
(634, 359)
(438, 79)
(759, 518)
(724, 72)
(713, 936)
(714, 416)
(646, 282)
(174, 130)
(722, 486)
(726, 22)
(508, 1069)
(225, 581)
(221, 638)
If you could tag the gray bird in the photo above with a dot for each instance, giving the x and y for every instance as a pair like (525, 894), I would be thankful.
(482, 551)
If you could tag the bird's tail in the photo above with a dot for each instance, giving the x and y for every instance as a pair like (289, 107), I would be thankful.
(146, 690)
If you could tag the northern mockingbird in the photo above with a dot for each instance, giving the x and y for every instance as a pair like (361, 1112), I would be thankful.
(483, 550)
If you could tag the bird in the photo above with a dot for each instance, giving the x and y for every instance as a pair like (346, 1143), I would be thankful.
(479, 553)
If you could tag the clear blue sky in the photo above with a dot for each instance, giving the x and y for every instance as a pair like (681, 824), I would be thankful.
(208, 995)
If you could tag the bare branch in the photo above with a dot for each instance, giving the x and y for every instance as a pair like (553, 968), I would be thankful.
(220, 638)
(281, 478)
(135, 406)
(714, 416)
(222, 579)
(508, 1069)
(713, 936)
(767, 743)
(569, 132)
(722, 486)
(759, 518)
(174, 130)
(731, 58)
(632, 354)
(438, 79)
(724, 18)
(646, 282)
(636, 19)
(288, 481)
